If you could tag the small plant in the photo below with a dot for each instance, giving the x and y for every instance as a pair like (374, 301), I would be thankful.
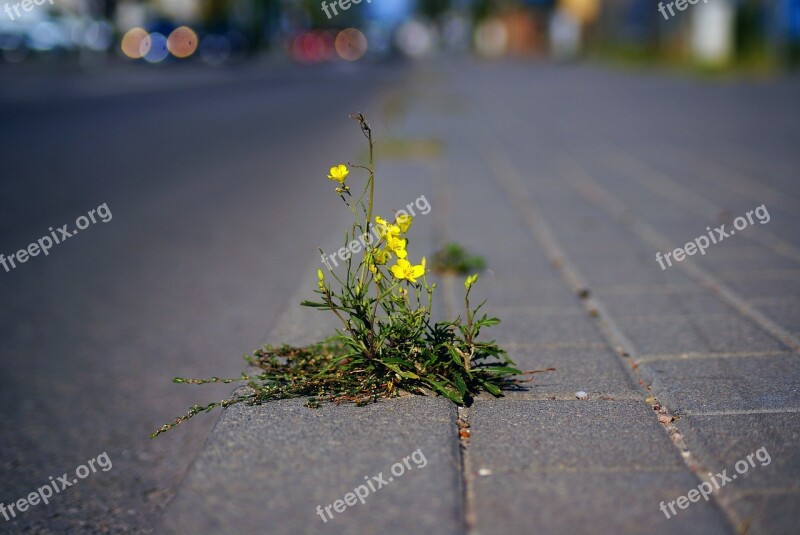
(453, 258)
(387, 343)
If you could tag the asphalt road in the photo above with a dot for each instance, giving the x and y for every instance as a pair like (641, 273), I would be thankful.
(215, 185)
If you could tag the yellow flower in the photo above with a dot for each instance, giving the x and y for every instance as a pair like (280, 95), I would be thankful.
(470, 281)
(403, 221)
(385, 229)
(339, 173)
(396, 246)
(404, 270)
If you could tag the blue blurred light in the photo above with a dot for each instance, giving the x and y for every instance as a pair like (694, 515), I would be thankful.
(390, 10)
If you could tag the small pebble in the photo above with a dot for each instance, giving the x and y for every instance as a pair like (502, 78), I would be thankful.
(580, 394)
(484, 472)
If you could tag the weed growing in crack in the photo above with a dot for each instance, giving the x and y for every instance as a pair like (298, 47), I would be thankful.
(387, 344)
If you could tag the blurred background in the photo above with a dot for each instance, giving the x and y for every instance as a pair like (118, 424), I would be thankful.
(757, 34)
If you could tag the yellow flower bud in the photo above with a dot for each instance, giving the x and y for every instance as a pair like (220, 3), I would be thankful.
(470, 281)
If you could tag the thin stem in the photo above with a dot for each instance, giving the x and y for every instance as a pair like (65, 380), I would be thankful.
(371, 178)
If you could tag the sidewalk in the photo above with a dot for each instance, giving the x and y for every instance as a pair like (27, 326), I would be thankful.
(687, 370)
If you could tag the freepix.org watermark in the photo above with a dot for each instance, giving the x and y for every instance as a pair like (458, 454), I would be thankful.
(365, 239)
(680, 5)
(45, 243)
(374, 483)
(45, 492)
(703, 242)
(27, 5)
(719, 480)
(344, 5)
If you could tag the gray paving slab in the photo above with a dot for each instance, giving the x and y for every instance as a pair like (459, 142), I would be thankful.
(770, 514)
(613, 271)
(727, 384)
(527, 326)
(513, 289)
(589, 503)
(766, 288)
(787, 315)
(733, 258)
(544, 435)
(775, 272)
(654, 302)
(721, 441)
(594, 370)
(267, 468)
(675, 334)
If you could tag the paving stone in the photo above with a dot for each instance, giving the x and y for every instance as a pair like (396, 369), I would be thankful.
(726, 384)
(721, 441)
(770, 514)
(787, 315)
(597, 371)
(590, 502)
(676, 334)
(764, 274)
(732, 332)
(546, 435)
(612, 271)
(730, 258)
(765, 288)
(522, 326)
(509, 289)
(267, 468)
(662, 303)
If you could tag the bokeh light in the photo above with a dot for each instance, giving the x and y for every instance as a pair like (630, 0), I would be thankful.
(158, 48)
(351, 44)
(182, 42)
(135, 43)
(312, 47)
(415, 39)
(491, 38)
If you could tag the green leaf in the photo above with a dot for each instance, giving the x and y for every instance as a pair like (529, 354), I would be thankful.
(397, 360)
(504, 370)
(487, 322)
(461, 385)
(395, 368)
(322, 306)
(492, 389)
(456, 356)
(449, 394)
